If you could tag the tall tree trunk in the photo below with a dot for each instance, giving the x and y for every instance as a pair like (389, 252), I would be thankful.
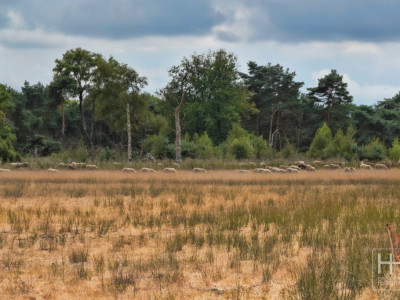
(63, 121)
(84, 123)
(128, 129)
(271, 134)
(178, 157)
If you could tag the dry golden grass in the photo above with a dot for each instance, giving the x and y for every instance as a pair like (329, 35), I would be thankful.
(109, 234)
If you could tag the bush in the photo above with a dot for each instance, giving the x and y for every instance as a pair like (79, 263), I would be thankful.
(288, 150)
(7, 152)
(373, 151)
(394, 151)
(188, 148)
(342, 145)
(240, 148)
(205, 148)
(157, 145)
(107, 154)
(260, 147)
(321, 140)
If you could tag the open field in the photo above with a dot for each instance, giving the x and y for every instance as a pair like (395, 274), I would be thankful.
(108, 234)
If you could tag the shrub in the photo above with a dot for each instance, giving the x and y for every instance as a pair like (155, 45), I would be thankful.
(287, 150)
(260, 147)
(321, 140)
(374, 151)
(107, 154)
(394, 151)
(342, 145)
(240, 148)
(157, 145)
(205, 148)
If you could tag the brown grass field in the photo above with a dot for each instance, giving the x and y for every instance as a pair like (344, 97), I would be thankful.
(220, 235)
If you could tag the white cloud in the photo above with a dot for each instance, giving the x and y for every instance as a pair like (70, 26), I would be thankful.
(16, 21)
(368, 93)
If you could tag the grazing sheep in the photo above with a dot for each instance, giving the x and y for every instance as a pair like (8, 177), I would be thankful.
(19, 164)
(78, 165)
(277, 170)
(350, 170)
(310, 168)
(365, 166)
(380, 167)
(334, 166)
(261, 170)
(116, 163)
(284, 167)
(327, 167)
(72, 166)
(243, 164)
(148, 170)
(252, 164)
(91, 167)
(292, 170)
(199, 170)
(175, 164)
(302, 165)
(128, 170)
(62, 165)
(263, 164)
(169, 170)
(317, 162)
(52, 170)
(294, 167)
(4, 170)
(244, 171)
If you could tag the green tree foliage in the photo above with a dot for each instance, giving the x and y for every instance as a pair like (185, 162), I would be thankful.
(368, 124)
(239, 144)
(394, 151)
(205, 148)
(7, 152)
(375, 150)
(80, 66)
(342, 145)
(321, 140)
(260, 147)
(117, 96)
(333, 97)
(275, 94)
(287, 150)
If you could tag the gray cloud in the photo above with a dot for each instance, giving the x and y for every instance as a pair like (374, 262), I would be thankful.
(282, 20)
(117, 19)
(365, 20)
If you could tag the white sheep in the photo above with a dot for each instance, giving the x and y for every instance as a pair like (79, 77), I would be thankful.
(169, 170)
(4, 170)
(52, 170)
(380, 167)
(365, 166)
(91, 167)
(310, 168)
(128, 170)
(148, 170)
(199, 170)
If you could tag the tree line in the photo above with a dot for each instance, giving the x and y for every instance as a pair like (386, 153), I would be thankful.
(208, 109)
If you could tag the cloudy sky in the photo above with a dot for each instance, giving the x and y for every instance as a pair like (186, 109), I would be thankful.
(358, 38)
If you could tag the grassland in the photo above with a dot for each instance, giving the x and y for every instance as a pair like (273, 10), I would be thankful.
(107, 234)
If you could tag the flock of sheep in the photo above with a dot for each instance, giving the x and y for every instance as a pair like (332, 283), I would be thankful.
(264, 168)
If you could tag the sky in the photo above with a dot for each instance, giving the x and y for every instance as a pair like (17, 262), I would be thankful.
(358, 38)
